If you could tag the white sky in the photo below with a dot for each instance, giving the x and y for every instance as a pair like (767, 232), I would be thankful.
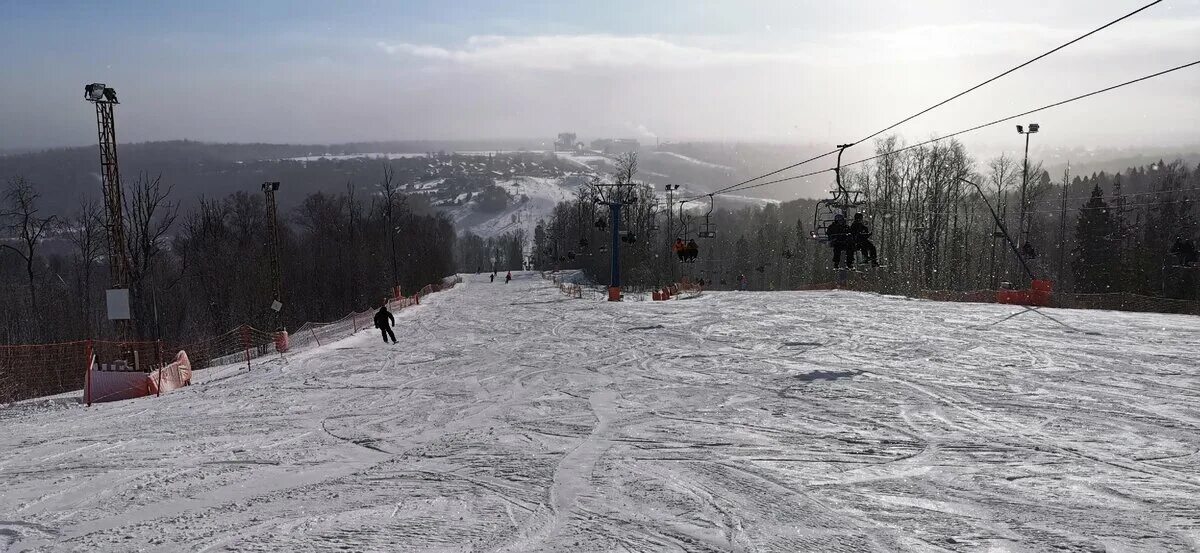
(821, 72)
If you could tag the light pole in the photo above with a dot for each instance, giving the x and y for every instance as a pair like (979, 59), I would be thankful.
(1022, 233)
(269, 189)
(671, 189)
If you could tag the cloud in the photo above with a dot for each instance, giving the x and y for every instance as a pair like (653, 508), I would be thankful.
(567, 52)
(912, 44)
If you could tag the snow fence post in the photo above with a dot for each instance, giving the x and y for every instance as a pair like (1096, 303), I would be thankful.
(246, 343)
(87, 376)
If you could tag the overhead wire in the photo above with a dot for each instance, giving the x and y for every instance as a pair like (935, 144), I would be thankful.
(739, 185)
(1024, 113)
(984, 125)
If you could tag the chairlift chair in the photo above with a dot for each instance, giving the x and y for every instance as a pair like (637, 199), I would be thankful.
(843, 202)
(707, 228)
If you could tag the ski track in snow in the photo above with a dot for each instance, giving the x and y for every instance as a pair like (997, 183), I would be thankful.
(511, 419)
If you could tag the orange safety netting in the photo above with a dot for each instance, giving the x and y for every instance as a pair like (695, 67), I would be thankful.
(137, 368)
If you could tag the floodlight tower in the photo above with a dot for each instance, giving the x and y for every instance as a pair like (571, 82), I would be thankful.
(1033, 128)
(104, 99)
(269, 189)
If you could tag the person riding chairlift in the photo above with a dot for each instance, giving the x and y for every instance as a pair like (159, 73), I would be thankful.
(841, 241)
(861, 237)
(692, 251)
(680, 248)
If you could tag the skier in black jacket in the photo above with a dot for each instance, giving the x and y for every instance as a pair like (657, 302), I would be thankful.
(384, 322)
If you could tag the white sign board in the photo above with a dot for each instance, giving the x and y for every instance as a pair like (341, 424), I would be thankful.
(118, 303)
(276, 306)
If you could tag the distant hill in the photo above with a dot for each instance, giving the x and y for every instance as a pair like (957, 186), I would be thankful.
(65, 176)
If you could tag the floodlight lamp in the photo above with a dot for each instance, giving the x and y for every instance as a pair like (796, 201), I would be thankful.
(94, 92)
(1021, 129)
(1033, 127)
(273, 186)
(110, 95)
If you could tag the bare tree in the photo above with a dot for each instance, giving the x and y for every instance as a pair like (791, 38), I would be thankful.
(149, 216)
(392, 207)
(86, 233)
(29, 228)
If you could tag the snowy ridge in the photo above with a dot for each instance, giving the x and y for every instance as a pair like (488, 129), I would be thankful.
(511, 418)
(693, 160)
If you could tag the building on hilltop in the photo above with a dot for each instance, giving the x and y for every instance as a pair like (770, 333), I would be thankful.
(566, 142)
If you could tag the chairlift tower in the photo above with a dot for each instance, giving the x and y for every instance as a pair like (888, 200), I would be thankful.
(104, 98)
(616, 200)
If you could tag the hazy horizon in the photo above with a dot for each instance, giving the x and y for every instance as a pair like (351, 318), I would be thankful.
(784, 73)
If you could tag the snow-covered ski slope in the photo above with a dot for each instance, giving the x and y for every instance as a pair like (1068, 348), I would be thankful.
(511, 418)
(541, 195)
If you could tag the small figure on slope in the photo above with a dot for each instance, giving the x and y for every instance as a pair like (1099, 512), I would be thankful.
(861, 236)
(508, 277)
(492, 277)
(384, 322)
(841, 241)
(1184, 252)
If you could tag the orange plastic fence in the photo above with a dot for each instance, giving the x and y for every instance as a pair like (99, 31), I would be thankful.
(38, 370)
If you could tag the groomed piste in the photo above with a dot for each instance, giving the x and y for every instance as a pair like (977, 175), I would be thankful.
(514, 418)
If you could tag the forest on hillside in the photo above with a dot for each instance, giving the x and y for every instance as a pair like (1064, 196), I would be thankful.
(198, 269)
(933, 229)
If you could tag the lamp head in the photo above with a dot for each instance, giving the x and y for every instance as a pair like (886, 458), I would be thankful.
(94, 92)
(1033, 127)
(1021, 129)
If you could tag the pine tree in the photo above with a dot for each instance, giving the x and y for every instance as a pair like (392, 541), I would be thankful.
(1095, 259)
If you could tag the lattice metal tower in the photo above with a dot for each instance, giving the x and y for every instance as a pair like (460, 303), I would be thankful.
(269, 189)
(104, 99)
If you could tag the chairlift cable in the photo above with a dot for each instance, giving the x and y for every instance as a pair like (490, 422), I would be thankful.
(737, 186)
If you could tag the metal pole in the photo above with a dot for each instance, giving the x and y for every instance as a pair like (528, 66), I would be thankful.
(1007, 237)
(615, 277)
(1062, 227)
(670, 231)
(1021, 235)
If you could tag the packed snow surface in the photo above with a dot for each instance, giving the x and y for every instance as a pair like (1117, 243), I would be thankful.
(512, 418)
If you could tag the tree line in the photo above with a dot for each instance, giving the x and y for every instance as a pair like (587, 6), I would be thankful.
(932, 210)
(202, 269)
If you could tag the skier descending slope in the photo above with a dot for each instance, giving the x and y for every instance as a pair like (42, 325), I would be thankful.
(508, 277)
(384, 322)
